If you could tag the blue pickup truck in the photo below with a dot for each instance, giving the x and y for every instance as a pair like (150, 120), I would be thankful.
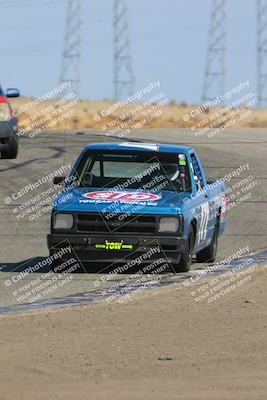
(122, 199)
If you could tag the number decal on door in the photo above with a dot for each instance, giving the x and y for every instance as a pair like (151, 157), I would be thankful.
(203, 219)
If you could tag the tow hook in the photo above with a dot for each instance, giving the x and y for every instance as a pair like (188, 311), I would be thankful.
(142, 242)
(87, 241)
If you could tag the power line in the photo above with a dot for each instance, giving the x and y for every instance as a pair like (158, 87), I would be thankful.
(23, 3)
(214, 80)
(123, 70)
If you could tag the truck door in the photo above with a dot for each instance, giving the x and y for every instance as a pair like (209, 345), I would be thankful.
(202, 206)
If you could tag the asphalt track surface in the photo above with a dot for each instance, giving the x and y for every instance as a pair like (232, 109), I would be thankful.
(237, 154)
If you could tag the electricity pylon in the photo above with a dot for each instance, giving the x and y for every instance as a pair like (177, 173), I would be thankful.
(262, 52)
(71, 58)
(123, 70)
(214, 81)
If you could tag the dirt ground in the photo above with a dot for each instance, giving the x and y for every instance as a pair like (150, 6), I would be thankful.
(161, 345)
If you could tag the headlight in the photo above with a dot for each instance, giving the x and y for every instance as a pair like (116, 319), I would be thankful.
(63, 221)
(168, 224)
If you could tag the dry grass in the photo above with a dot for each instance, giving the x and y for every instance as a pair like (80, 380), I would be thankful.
(91, 114)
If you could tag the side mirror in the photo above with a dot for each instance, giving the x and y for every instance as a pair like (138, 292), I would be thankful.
(59, 179)
(12, 92)
(88, 178)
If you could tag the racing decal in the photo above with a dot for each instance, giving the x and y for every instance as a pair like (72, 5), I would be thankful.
(182, 159)
(182, 162)
(203, 215)
(121, 196)
(113, 246)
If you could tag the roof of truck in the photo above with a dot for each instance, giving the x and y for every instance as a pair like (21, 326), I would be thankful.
(139, 146)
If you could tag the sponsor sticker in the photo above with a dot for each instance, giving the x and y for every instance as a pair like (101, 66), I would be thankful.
(122, 196)
(182, 162)
(113, 246)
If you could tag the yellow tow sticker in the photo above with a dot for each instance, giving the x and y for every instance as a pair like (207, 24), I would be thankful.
(113, 246)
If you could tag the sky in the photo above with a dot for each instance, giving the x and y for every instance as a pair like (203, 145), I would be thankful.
(168, 43)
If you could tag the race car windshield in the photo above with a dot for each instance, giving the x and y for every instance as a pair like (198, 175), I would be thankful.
(148, 171)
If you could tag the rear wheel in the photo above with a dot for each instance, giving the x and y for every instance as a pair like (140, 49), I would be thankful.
(186, 257)
(209, 253)
(12, 150)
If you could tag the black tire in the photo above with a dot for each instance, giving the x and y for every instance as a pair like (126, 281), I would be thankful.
(186, 257)
(209, 253)
(12, 150)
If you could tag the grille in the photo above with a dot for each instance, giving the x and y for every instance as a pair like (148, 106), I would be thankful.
(132, 224)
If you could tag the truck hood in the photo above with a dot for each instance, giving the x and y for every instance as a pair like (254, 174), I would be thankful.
(120, 201)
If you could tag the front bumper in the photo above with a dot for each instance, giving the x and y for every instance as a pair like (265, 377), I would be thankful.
(109, 249)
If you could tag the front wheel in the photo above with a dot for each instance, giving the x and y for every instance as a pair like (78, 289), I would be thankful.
(209, 253)
(12, 151)
(186, 257)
